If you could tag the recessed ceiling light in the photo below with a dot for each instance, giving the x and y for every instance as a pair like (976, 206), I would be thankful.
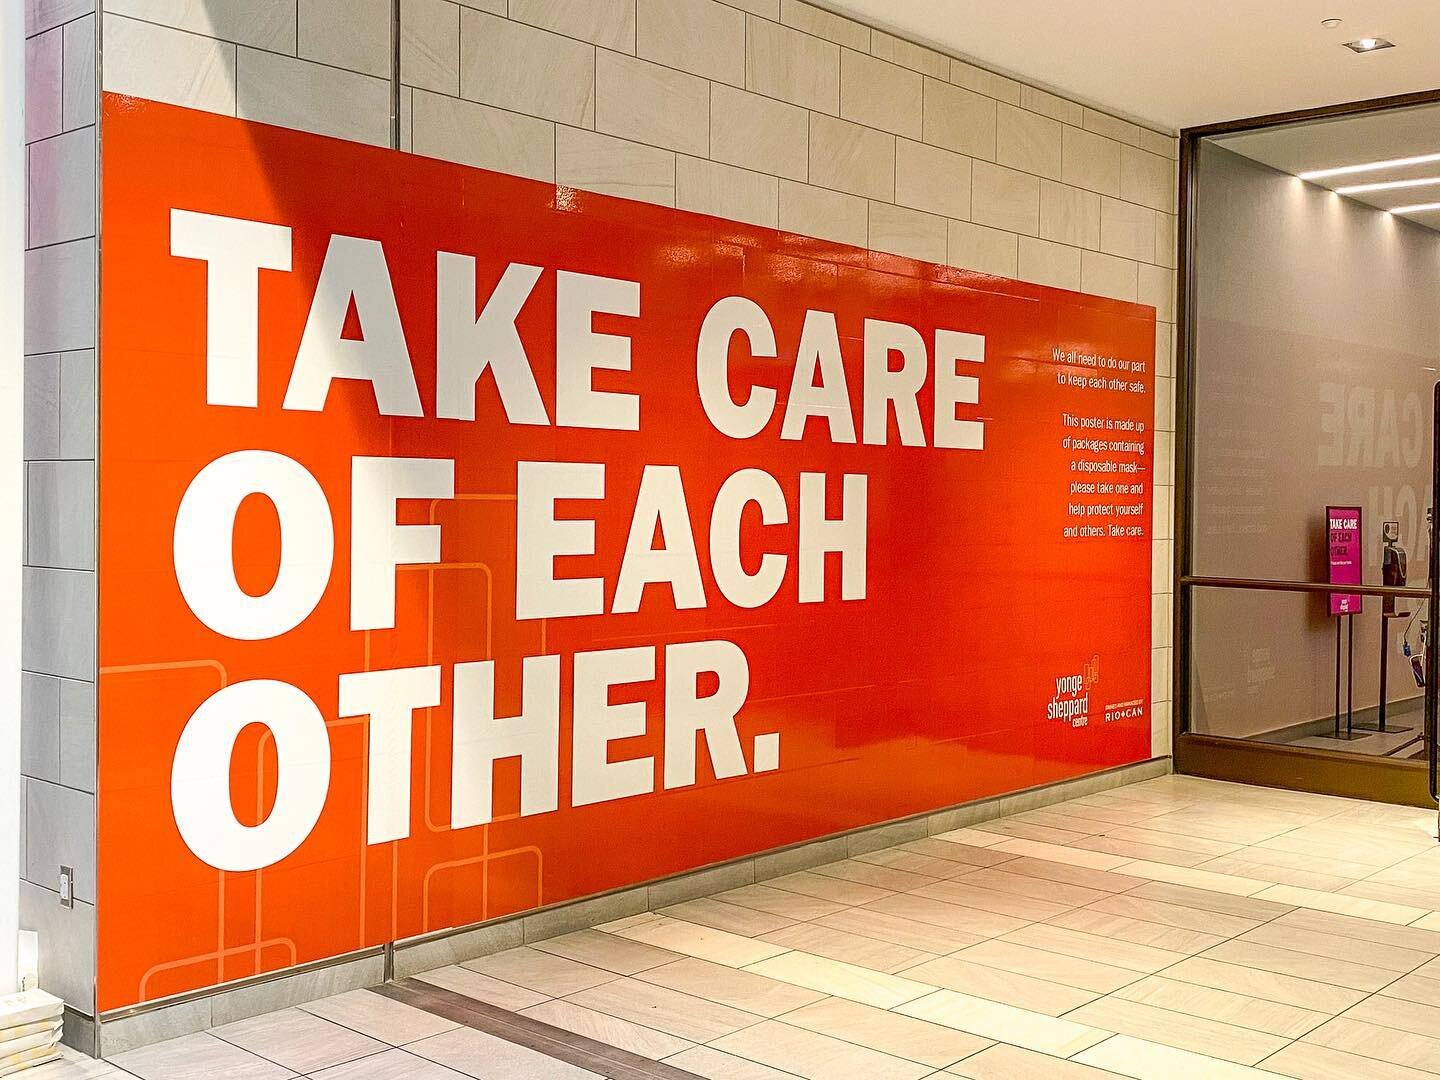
(1387, 185)
(1369, 166)
(1369, 44)
(1418, 208)
(1330, 24)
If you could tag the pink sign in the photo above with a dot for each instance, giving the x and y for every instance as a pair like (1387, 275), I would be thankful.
(1342, 534)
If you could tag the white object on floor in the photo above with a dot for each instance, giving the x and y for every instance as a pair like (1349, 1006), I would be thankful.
(30, 1024)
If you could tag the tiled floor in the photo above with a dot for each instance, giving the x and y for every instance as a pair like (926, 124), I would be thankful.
(1173, 929)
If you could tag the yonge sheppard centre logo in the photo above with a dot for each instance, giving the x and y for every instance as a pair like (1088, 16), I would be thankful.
(1071, 702)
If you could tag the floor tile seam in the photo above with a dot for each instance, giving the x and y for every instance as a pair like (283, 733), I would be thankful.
(1304, 1039)
(215, 1031)
(1363, 941)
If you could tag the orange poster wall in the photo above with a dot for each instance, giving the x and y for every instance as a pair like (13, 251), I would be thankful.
(717, 607)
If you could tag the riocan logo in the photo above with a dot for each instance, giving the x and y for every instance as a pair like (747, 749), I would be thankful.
(1071, 702)
(1124, 710)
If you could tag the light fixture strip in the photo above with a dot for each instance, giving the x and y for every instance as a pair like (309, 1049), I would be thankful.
(1388, 185)
(1369, 166)
(1418, 208)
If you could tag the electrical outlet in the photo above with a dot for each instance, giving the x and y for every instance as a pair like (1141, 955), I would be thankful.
(67, 886)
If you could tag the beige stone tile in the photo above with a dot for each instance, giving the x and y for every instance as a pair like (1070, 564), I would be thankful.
(918, 862)
(759, 133)
(1107, 275)
(717, 1065)
(880, 877)
(837, 890)
(1302, 965)
(1127, 230)
(1002, 1062)
(702, 942)
(900, 930)
(1311, 1062)
(1198, 1034)
(795, 67)
(1166, 239)
(1000, 984)
(704, 37)
(292, 93)
(1152, 853)
(430, 46)
(1342, 905)
(900, 1036)
(261, 24)
(1373, 1041)
(647, 103)
(1083, 974)
(838, 979)
(1144, 1060)
(610, 23)
(1002, 878)
(545, 973)
(959, 119)
(1280, 875)
(1197, 879)
(825, 24)
(610, 952)
(611, 1030)
(957, 851)
(1199, 844)
(932, 179)
(1004, 1023)
(733, 918)
(1327, 943)
(788, 905)
(1118, 953)
(1301, 992)
(353, 34)
(1411, 1016)
(984, 82)
(156, 62)
(815, 1056)
(1124, 928)
(1070, 215)
(1037, 849)
(1147, 179)
(742, 990)
(987, 908)
(852, 158)
(499, 59)
(850, 948)
(988, 251)
(1090, 161)
(1208, 900)
(1111, 127)
(1102, 881)
(487, 138)
(472, 984)
(680, 1014)
(1049, 105)
(1157, 288)
(1006, 199)
(820, 212)
(908, 54)
(709, 187)
(969, 837)
(594, 162)
(1242, 1010)
(911, 233)
(380, 1017)
(1420, 988)
(298, 1040)
(1027, 141)
(1046, 263)
(880, 94)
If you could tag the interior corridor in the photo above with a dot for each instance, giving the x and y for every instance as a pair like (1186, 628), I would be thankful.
(1174, 928)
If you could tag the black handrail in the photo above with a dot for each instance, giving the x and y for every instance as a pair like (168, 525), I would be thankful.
(1277, 585)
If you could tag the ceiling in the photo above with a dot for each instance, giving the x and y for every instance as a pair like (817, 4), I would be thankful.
(1355, 140)
(1181, 63)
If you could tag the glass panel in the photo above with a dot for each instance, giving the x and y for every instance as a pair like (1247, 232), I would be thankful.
(1263, 667)
(1317, 339)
